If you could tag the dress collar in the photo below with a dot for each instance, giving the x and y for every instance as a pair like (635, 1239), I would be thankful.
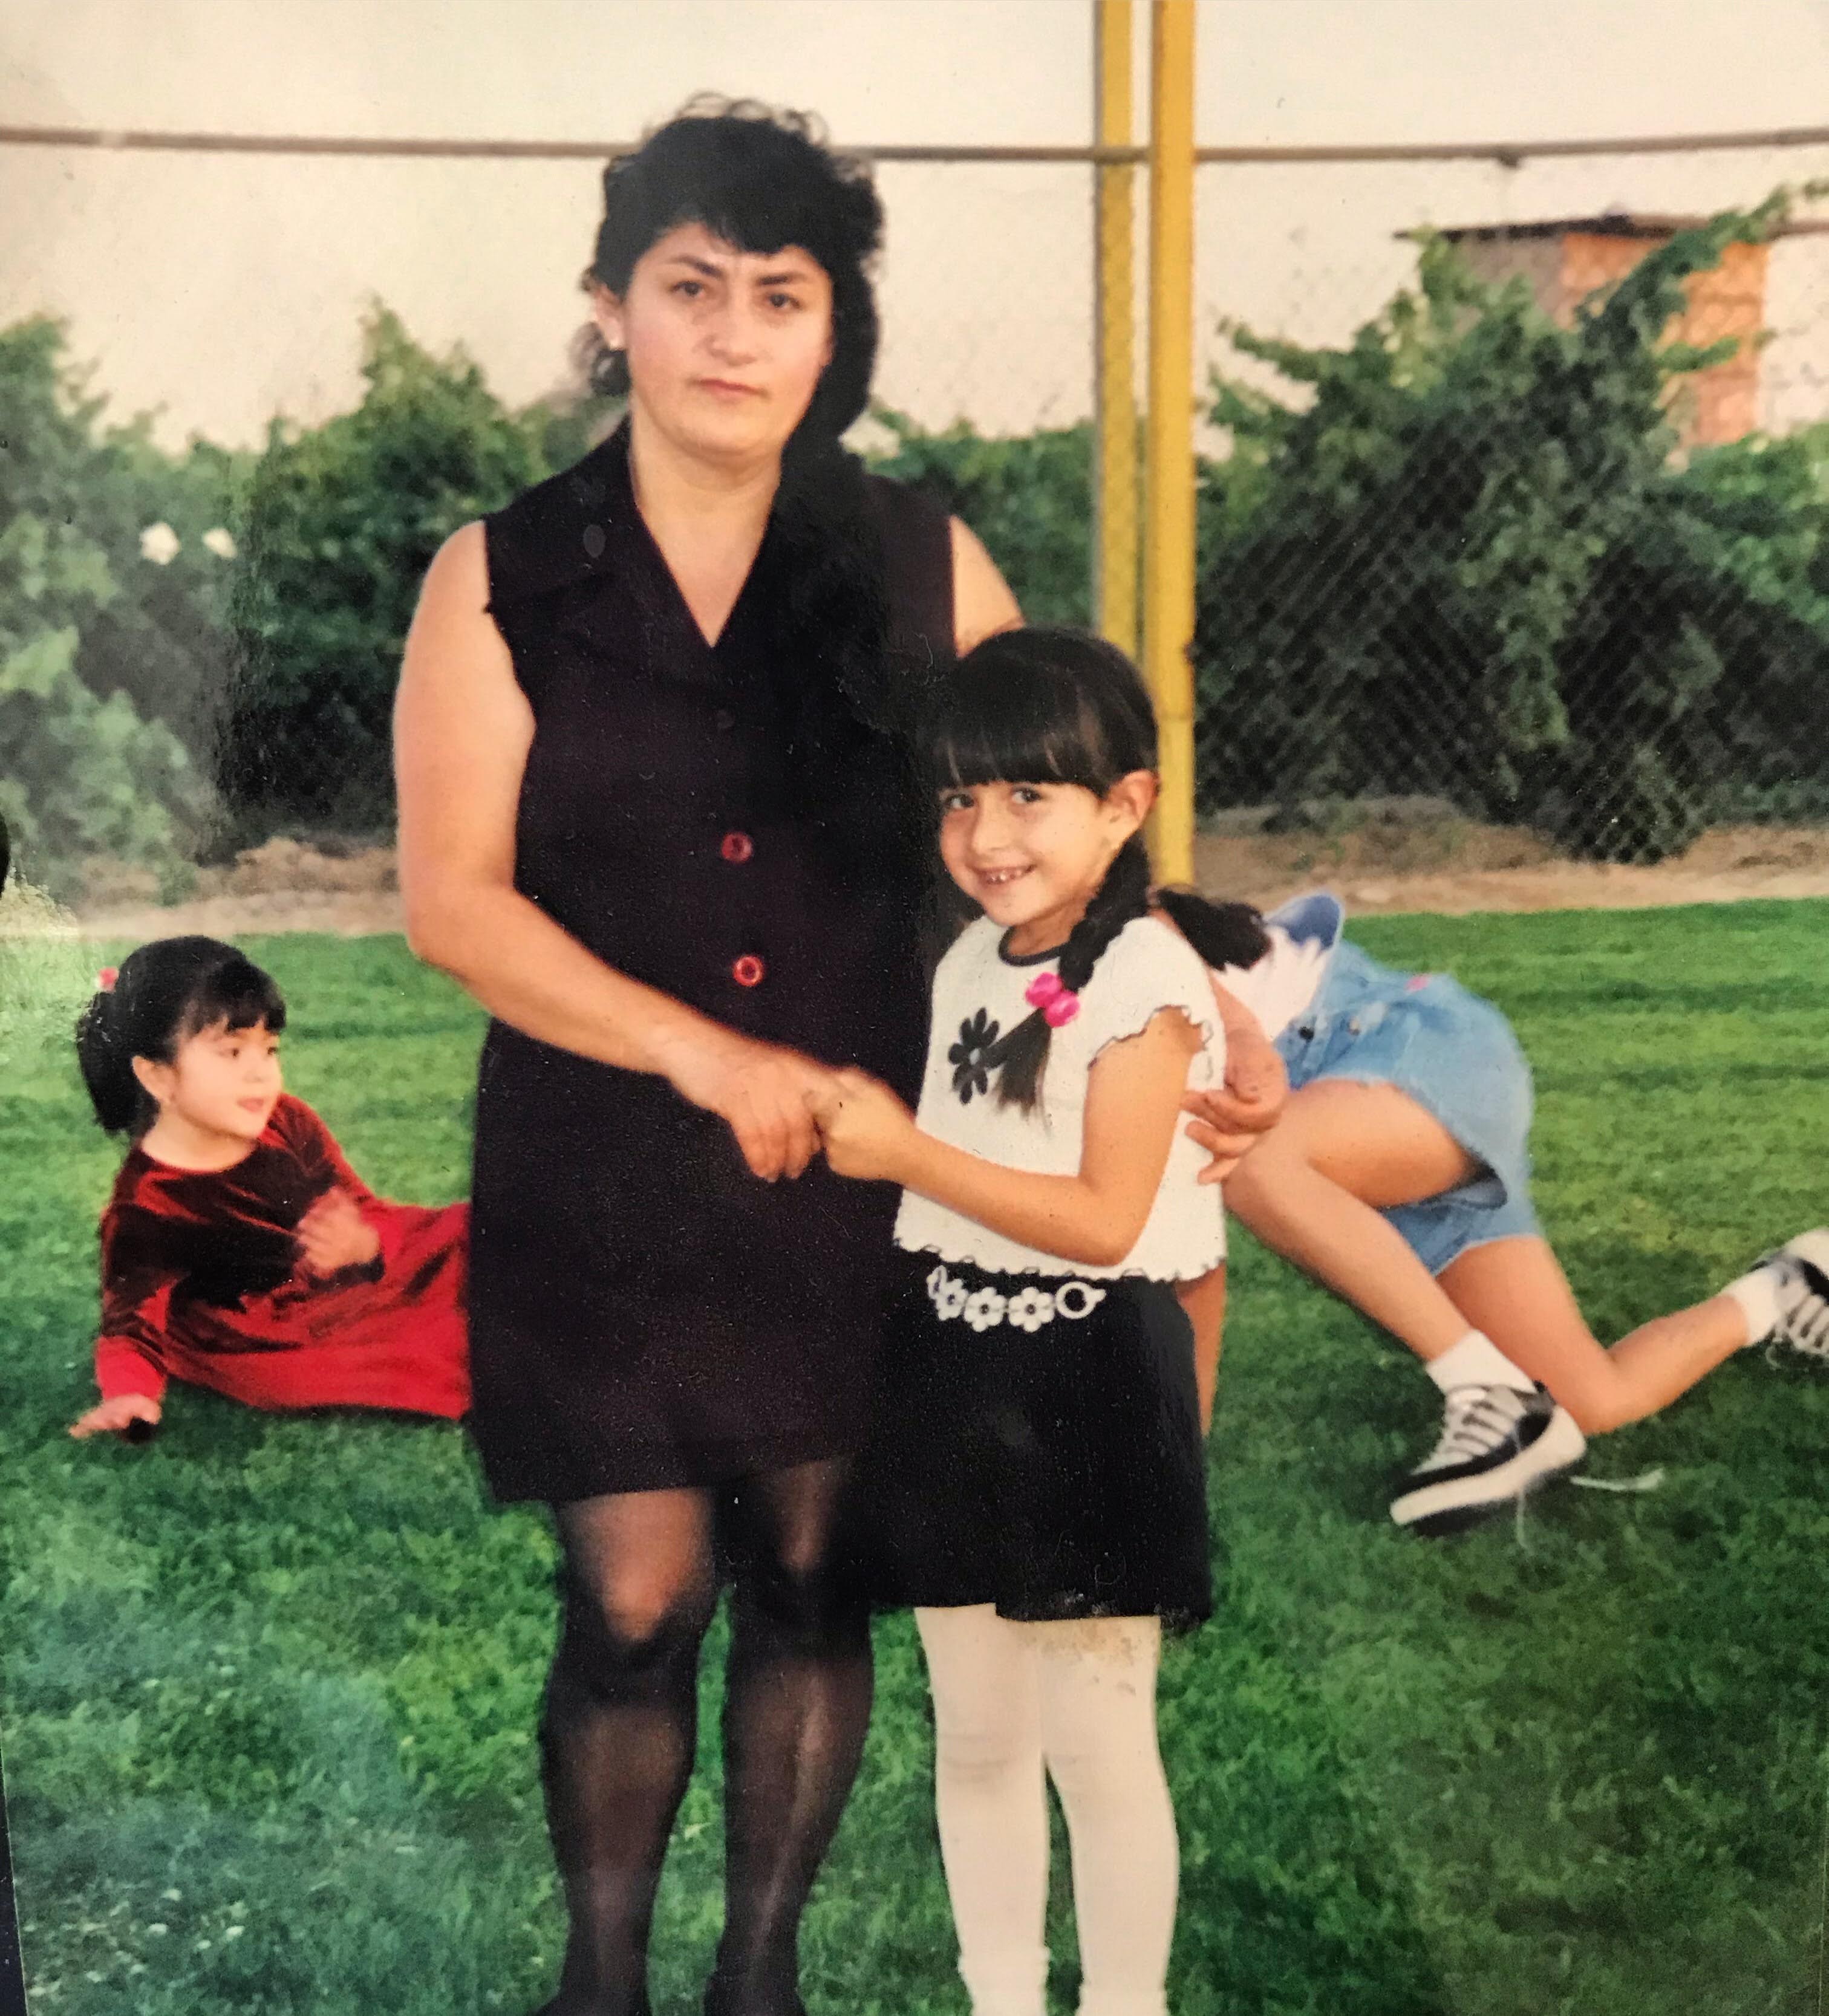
(565, 531)
(1026, 958)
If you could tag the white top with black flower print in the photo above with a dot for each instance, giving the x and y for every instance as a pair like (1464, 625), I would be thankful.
(977, 998)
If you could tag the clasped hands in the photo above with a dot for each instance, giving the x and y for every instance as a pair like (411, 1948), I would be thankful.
(332, 1235)
(785, 1108)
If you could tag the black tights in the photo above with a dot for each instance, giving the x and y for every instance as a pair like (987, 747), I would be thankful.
(620, 1728)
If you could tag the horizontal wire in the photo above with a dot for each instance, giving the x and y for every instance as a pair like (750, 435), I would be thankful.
(1509, 153)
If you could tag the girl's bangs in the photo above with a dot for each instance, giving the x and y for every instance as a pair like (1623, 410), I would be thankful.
(238, 996)
(996, 734)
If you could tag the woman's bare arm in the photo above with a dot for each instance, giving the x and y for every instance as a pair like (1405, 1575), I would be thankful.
(982, 604)
(1231, 1118)
(462, 730)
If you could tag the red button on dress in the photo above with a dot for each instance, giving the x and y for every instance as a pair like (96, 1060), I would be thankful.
(737, 847)
(749, 971)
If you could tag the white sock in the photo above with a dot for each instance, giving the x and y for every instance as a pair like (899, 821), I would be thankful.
(1478, 1361)
(1756, 1297)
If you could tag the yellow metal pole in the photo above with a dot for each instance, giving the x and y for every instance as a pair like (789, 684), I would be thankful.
(1115, 506)
(1168, 516)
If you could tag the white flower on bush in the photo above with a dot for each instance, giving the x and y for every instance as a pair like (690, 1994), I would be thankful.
(985, 1309)
(159, 544)
(1030, 1309)
(221, 542)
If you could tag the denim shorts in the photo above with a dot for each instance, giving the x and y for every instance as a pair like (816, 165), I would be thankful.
(1456, 1056)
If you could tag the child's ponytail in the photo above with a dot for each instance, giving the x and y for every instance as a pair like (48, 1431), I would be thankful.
(1120, 898)
(107, 1064)
(168, 990)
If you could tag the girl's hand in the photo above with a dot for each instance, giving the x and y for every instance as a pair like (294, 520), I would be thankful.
(334, 1235)
(761, 1091)
(118, 1416)
(863, 1127)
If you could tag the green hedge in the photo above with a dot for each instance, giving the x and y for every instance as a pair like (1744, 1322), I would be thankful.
(1465, 561)
(340, 523)
(1458, 556)
(99, 622)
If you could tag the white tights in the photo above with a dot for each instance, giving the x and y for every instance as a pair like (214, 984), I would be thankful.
(1078, 1700)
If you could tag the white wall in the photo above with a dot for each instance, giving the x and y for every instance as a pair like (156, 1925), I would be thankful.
(219, 289)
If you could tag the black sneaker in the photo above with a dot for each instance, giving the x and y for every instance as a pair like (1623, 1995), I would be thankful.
(1803, 1295)
(1496, 1444)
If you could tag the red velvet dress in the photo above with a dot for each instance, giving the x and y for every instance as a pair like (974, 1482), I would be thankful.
(199, 1282)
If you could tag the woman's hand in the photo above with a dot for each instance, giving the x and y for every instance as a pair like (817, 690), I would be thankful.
(863, 1127)
(117, 1416)
(1229, 1119)
(762, 1091)
(334, 1235)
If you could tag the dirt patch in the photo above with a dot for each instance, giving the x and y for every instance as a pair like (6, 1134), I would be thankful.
(284, 885)
(1452, 869)
(1379, 867)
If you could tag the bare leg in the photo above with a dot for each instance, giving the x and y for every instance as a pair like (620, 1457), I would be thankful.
(1515, 1290)
(1311, 1190)
(1203, 1302)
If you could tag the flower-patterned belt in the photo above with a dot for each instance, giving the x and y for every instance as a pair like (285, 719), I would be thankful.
(1028, 1309)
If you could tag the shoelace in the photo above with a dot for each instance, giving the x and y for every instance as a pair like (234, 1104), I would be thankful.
(1803, 1313)
(1479, 1418)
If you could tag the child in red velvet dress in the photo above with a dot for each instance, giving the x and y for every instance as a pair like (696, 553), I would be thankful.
(239, 1250)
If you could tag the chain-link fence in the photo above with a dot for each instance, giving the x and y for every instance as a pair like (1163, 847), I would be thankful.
(1459, 537)
(1467, 532)
(1464, 537)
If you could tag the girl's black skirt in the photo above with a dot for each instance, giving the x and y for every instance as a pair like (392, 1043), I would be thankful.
(1036, 1446)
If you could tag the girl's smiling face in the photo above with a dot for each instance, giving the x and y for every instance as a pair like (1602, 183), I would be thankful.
(1032, 856)
(216, 1095)
(725, 348)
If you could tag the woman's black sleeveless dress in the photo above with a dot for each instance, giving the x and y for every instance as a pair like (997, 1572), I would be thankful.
(644, 1312)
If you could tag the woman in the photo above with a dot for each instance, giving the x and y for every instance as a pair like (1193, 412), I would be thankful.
(652, 814)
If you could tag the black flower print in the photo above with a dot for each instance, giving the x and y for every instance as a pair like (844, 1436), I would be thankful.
(973, 1056)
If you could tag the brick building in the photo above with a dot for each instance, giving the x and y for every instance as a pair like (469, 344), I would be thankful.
(1566, 259)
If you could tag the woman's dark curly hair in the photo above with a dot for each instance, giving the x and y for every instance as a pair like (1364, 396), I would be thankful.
(760, 179)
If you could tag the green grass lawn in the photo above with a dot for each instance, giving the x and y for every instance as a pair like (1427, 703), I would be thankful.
(270, 1685)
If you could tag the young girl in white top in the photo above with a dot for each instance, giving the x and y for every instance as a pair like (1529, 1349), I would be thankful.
(1036, 1488)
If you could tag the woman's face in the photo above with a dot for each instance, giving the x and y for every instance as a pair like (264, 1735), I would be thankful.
(725, 348)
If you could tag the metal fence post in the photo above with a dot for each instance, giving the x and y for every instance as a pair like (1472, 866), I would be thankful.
(1168, 528)
(1115, 383)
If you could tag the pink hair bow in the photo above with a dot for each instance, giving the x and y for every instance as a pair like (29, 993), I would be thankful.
(105, 980)
(1058, 1004)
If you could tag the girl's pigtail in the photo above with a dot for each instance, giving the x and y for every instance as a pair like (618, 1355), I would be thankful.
(1222, 933)
(1121, 897)
(106, 1063)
